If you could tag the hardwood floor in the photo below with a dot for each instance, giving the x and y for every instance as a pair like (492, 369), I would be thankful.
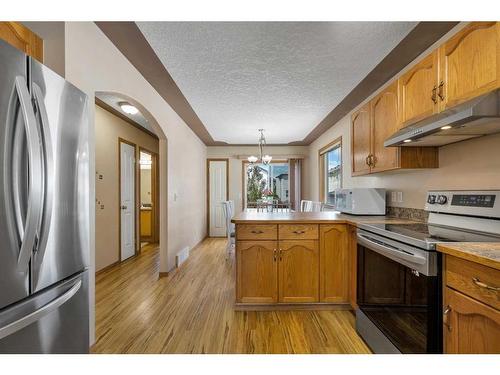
(191, 311)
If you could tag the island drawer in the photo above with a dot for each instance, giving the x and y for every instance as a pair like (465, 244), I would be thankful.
(298, 232)
(256, 232)
(475, 280)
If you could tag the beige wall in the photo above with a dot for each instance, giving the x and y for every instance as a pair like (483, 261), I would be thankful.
(472, 164)
(236, 163)
(108, 128)
(93, 64)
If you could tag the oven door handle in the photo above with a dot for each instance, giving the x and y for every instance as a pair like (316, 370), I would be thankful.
(388, 250)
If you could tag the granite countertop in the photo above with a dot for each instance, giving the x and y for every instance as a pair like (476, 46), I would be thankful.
(312, 218)
(485, 253)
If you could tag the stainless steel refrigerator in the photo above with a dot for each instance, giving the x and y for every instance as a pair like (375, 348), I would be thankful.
(44, 209)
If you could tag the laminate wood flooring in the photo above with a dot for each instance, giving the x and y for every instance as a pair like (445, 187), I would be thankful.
(191, 311)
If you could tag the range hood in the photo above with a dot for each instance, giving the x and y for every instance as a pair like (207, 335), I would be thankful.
(475, 118)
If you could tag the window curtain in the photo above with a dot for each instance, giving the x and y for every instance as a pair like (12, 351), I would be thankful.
(295, 168)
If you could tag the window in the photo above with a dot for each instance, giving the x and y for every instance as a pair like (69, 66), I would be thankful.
(330, 164)
(270, 180)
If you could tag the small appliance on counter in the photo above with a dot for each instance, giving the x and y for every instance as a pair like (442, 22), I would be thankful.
(399, 270)
(360, 201)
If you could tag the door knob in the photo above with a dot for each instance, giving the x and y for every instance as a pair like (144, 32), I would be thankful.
(123, 207)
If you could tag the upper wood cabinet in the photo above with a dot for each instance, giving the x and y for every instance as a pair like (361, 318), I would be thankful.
(334, 263)
(361, 141)
(22, 38)
(298, 271)
(257, 272)
(384, 118)
(469, 64)
(470, 327)
(371, 126)
(418, 88)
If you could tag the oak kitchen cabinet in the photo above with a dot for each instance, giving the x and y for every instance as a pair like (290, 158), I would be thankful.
(334, 263)
(471, 315)
(296, 263)
(371, 126)
(418, 96)
(22, 38)
(469, 64)
(464, 67)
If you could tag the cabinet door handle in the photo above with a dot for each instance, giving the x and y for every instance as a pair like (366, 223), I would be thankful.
(274, 255)
(480, 284)
(368, 160)
(433, 96)
(257, 232)
(441, 91)
(445, 318)
(373, 160)
(281, 255)
(299, 231)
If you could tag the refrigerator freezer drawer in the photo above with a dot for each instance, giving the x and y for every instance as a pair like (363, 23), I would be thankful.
(55, 320)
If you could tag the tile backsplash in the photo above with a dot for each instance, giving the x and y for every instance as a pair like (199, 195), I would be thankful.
(408, 213)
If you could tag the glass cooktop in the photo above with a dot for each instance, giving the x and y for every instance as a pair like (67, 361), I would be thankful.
(427, 236)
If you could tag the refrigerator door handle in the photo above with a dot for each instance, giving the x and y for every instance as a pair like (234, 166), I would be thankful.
(48, 166)
(29, 232)
(32, 317)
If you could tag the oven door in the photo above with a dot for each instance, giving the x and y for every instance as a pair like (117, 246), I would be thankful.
(398, 296)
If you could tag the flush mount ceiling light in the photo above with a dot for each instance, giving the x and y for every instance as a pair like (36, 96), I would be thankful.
(407, 141)
(128, 108)
(265, 159)
(446, 127)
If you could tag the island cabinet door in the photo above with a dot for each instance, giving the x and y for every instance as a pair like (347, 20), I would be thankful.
(298, 271)
(470, 327)
(469, 63)
(334, 263)
(257, 271)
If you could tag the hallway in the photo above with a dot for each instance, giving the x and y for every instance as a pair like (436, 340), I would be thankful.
(191, 311)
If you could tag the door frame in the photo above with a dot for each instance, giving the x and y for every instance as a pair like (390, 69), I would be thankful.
(208, 187)
(120, 141)
(155, 173)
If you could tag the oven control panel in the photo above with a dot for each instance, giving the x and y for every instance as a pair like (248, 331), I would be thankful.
(474, 203)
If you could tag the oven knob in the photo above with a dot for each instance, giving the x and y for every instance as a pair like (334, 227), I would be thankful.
(442, 199)
(431, 199)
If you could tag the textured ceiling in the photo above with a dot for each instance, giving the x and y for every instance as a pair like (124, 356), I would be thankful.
(283, 77)
(113, 100)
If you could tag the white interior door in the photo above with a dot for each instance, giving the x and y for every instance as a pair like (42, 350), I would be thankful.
(218, 193)
(127, 197)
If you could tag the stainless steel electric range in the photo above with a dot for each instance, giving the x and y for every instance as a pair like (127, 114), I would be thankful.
(399, 270)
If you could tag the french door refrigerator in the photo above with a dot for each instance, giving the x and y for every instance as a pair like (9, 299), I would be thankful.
(44, 209)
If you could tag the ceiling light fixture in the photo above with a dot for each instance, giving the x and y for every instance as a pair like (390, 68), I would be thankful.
(265, 159)
(446, 127)
(128, 108)
(407, 141)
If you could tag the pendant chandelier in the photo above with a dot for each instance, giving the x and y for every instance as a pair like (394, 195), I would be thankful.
(264, 159)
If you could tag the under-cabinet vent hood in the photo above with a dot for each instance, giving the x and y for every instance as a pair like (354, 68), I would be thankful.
(475, 118)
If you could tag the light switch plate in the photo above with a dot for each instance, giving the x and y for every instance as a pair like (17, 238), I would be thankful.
(400, 197)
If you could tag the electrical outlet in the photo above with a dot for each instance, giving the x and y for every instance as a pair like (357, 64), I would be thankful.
(400, 197)
(394, 197)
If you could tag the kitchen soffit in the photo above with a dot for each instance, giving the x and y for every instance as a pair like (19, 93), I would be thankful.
(284, 77)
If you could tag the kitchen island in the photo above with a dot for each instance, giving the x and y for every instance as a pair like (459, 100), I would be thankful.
(297, 260)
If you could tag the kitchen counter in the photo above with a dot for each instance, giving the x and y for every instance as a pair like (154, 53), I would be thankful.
(313, 218)
(485, 253)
